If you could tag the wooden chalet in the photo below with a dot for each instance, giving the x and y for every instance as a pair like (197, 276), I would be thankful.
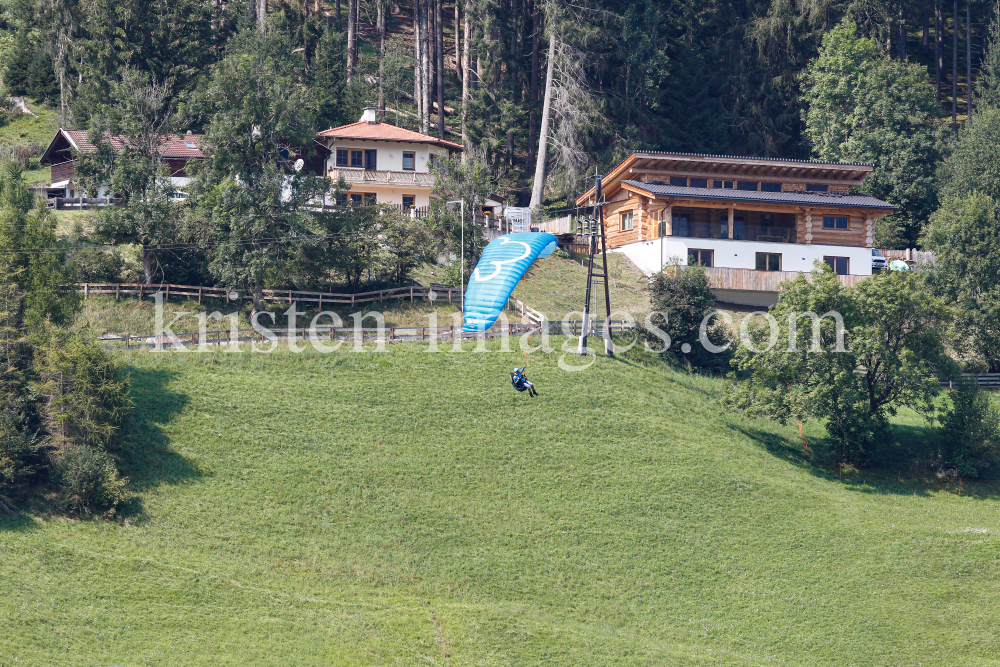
(738, 215)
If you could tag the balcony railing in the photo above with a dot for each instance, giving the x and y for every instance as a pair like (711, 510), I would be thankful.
(762, 281)
(375, 177)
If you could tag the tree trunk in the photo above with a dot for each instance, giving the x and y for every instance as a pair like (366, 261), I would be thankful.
(418, 89)
(147, 264)
(533, 95)
(439, 48)
(261, 14)
(968, 59)
(938, 49)
(458, 41)
(425, 64)
(514, 33)
(352, 38)
(465, 81)
(954, 68)
(537, 189)
(925, 38)
(901, 47)
(381, 57)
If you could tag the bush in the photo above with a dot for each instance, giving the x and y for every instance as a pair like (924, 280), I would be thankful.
(681, 299)
(969, 437)
(89, 481)
(99, 266)
(21, 459)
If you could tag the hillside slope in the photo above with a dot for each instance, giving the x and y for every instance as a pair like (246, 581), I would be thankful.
(410, 508)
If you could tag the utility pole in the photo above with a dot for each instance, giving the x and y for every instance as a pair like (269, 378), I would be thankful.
(595, 227)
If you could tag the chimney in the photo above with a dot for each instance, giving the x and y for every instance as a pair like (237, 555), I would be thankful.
(369, 115)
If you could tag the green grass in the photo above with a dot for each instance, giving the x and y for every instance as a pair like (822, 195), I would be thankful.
(405, 508)
(27, 129)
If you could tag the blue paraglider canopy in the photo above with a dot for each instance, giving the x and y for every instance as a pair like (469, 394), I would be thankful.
(505, 260)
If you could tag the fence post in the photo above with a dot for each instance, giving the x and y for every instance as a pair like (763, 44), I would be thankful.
(166, 297)
(86, 290)
(321, 301)
(199, 295)
(140, 292)
(289, 296)
(127, 342)
(411, 293)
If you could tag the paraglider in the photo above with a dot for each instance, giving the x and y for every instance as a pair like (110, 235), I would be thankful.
(505, 260)
(520, 382)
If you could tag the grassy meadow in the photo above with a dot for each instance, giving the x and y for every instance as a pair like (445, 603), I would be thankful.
(406, 508)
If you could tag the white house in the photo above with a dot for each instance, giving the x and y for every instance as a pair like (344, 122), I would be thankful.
(383, 163)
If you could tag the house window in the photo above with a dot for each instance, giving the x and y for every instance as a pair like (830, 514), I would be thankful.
(409, 161)
(833, 222)
(371, 159)
(768, 261)
(699, 182)
(409, 200)
(626, 221)
(840, 265)
(724, 184)
(770, 187)
(724, 226)
(703, 257)
(343, 155)
(746, 185)
(357, 158)
(363, 198)
(812, 187)
(678, 181)
(435, 161)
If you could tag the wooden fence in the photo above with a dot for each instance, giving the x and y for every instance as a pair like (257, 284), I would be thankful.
(362, 336)
(762, 281)
(985, 380)
(413, 292)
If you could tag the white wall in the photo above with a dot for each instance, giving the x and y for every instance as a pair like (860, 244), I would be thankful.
(743, 254)
(390, 154)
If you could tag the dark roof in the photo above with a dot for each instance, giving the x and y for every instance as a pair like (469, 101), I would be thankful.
(815, 198)
(754, 157)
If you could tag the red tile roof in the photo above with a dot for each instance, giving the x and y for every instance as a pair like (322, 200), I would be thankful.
(385, 132)
(175, 147)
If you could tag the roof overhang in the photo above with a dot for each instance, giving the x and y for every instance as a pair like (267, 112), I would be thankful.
(731, 168)
(807, 200)
(47, 155)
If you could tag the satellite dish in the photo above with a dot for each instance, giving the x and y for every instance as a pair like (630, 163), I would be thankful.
(299, 164)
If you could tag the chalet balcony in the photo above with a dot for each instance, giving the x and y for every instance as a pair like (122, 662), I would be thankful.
(762, 281)
(377, 177)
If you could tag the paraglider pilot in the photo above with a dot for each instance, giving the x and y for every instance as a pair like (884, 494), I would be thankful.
(520, 382)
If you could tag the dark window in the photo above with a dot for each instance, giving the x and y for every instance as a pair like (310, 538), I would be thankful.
(746, 185)
(679, 181)
(840, 265)
(739, 228)
(832, 222)
(342, 157)
(409, 200)
(699, 182)
(409, 161)
(357, 158)
(768, 261)
(357, 198)
(371, 159)
(811, 187)
(724, 226)
(770, 187)
(724, 184)
(435, 161)
(703, 257)
(681, 226)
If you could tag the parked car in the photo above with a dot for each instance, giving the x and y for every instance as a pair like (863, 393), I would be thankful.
(879, 262)
(177, 196)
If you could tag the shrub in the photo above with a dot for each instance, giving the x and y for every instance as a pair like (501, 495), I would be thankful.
(681, 299)
(89, 481)
(99, 267)
(969, 437)
(21, 459)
